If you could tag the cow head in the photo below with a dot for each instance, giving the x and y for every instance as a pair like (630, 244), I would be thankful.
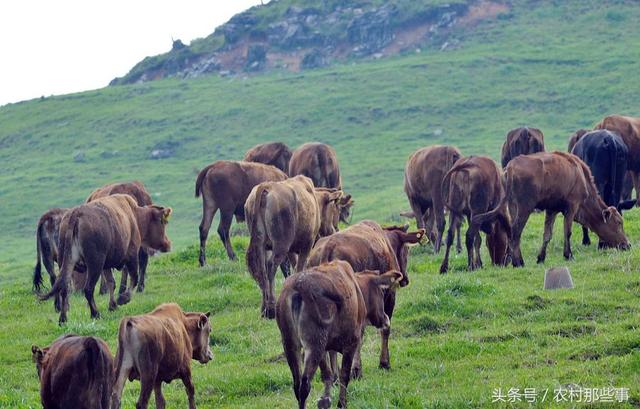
(154, 235)
(498, 245)
(329, 203)
(38, 356)
(372, 285)
(610, 230)
(199, 328)
(345, 203)
(400, 240)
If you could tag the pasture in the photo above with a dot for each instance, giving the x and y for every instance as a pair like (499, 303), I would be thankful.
(454, 337)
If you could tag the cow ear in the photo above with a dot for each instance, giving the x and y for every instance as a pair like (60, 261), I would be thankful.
(166, 213)
(36, 353)
(606, 214)
(202, 322)
(413, 238)
(334, 196)
(208, 314)
(346, 201)
(389, 280)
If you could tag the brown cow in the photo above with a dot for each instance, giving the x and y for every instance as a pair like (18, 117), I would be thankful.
(367, 246)
(555, 182)
(474, 186)
(346, 203)
(323, 309)
(319, 162)
(521, 141)
(136, 190)
(104, 234)
(225, 185)
(47, 238)
(158, 347)
(423, 177)
(274, 153)
(285, 219)
(629, 130)
(75, 372)
(575, 137)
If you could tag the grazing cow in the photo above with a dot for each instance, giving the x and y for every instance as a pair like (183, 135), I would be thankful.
(521, 141)
(285, 219)
(367, 246)
(474, 186)
(555, 182)
(225, 185)
(136, 190)
(606, 155)
(47, 238)
(345, 203)
(423, 177)
(75, 372)
(104, 234)
(275, 154)
(575, 137)
(629, 130)
(158, 347)
(322, 309)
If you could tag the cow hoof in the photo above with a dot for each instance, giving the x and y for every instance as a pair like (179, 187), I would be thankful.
(356, 373)
(568, 256)
(385, 365)
(269, 313)
(113, 306)
(140, 288)
(540, 259)
(324, 402)
(124, 298)
(444, 269)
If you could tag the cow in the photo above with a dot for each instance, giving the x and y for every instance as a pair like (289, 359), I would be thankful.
(555, 182)
(606, 155)
(474, 186)
(274, 153)
(345, 203)
(285, 219)
(575, 137)
(323, 309)
(368, 246)
(136, 190)
(104, 234)
(158, 347)
(628, 128)
(319, 162)
(225, 185)
(521, 141)
(423, 175)
(47, 238)
(74, 372)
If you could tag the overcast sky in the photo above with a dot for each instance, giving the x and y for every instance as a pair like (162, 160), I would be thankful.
(53, 47)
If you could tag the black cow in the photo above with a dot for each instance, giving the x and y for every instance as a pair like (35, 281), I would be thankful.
(606, 155)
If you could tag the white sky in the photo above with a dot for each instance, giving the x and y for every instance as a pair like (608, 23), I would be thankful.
(53, 47)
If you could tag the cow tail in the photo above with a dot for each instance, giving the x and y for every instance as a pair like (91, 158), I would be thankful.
(255, 252)
(37, 272)
(200, 180)
(97, 364)
(65, 255)
(613, 163)
(446, 186)
(319, 300)
(123, 331)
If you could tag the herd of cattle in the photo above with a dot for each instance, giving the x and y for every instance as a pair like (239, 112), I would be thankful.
(343, 281)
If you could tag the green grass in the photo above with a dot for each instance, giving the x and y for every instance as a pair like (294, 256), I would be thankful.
(558, 66)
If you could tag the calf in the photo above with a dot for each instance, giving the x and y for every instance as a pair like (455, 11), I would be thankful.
(75, 372)
(367, 246)
(606, 155)
(274, 153)
(225, 185)
(322, 309)
(474, 186)
(285, 219)
(136, 190)
(158, 347)
(423, 177)
(522, 141)
(47, 237)
(104, 234)
(557, 182)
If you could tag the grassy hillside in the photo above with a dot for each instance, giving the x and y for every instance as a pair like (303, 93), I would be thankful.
(558, 66)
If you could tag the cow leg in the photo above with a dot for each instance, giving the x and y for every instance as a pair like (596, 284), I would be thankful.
(303, 255)
(63, 304)
(93, 273)
(285, 267)
(312, 358)
(477, 243)
(143, 260)
(345, 372)
(385, 332)
(470, 238)
(635, 178)
(123, 368)
(131, 268)
(47, 260)
(418, 213)
(586, 241)
(458, 239)
(516, 233)
(356, 368)
(569, 215)
(438, 210)
(428, 225)
(208, 212)
(103, 285)
(444, 267)
(111, 286)
(223, 231)
(327, 379)
(157, 391)
(191, 390)
(292, 350)
(276, 259)
(147, 383)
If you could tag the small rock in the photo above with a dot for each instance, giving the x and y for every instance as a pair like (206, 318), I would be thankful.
(438, 132)
(161, 154)
(557, 277)
(79, 156)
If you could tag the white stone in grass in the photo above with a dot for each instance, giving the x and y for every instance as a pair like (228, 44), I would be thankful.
(557, 277)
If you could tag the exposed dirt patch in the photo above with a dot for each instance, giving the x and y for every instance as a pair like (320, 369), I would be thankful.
(482, 10)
